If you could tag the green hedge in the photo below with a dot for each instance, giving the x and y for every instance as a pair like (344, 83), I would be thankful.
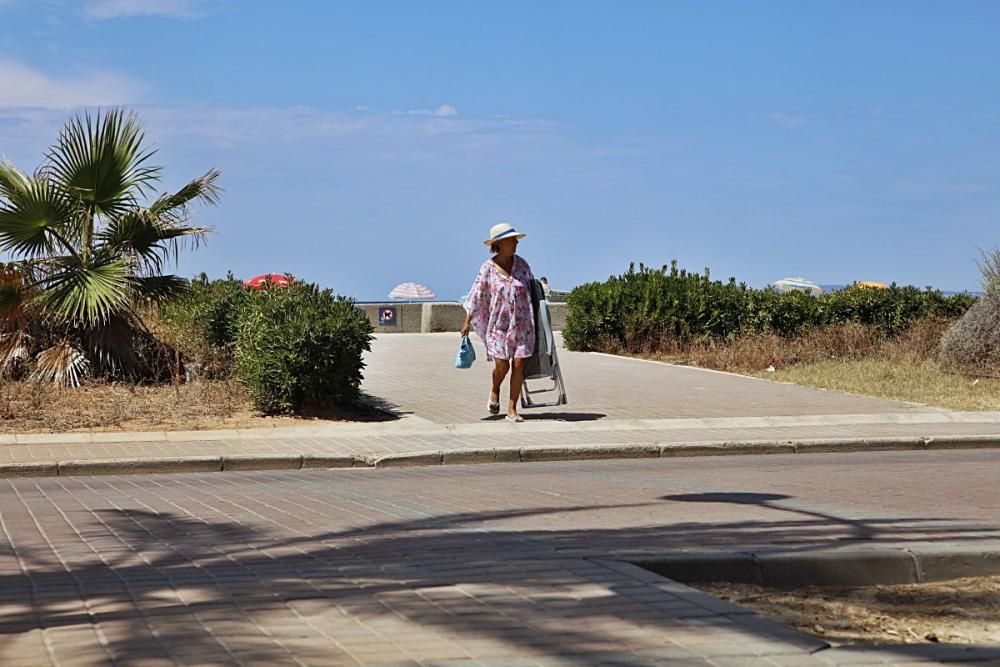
(289, 346)
(300, 345)
(642, 308)
(200, 323)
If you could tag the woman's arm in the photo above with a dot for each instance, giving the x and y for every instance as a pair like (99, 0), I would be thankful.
(478, 298)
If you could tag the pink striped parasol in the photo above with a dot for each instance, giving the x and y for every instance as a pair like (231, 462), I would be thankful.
(409, 291)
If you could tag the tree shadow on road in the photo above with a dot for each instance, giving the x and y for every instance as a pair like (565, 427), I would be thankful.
(858, 529)
(261, 567)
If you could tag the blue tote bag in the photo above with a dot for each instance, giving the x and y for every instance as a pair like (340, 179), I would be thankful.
(466, 354)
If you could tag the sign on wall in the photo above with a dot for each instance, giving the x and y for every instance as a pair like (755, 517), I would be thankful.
(387, 316)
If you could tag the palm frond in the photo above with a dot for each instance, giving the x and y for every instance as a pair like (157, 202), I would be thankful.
(34, 219)
(12, 180)
(102, 160)
(62, 364)
(203, 189)
(14, 347)
(13, 296)
(89, 293)
(111, 344)
(142, 234)
(159, 289)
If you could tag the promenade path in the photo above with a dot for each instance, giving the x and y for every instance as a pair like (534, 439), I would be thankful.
(415, 373)
(614, 403)
(459, 566)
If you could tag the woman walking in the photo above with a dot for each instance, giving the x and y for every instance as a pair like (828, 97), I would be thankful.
(499, 309)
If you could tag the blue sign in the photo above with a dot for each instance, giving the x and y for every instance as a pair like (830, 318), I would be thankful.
(387, 316)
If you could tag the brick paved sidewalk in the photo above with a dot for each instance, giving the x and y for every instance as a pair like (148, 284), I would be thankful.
(367, 448)
(453, 565)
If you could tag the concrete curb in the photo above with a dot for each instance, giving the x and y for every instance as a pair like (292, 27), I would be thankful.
(471, 456)
(852, 566)
(410, 425)
(680, 449)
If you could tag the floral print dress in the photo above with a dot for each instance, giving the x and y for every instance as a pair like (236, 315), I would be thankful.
(500, 306)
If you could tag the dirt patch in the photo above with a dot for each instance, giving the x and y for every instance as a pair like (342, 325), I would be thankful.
(961, 611)
(31, 407)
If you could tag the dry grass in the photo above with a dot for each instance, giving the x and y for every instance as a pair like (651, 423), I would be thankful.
(849, 358)
(962, 611)
(898, 380)
(843, 342)
(32, 407)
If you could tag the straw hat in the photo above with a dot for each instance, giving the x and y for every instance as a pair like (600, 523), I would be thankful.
(501, 232)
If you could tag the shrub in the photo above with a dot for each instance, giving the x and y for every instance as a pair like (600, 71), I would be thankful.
(989, 266)
(201, 324)
(299, 345)
(892, 310)
(972, 345)
(651, 309)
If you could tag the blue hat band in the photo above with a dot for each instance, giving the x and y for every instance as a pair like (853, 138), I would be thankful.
(506, 233)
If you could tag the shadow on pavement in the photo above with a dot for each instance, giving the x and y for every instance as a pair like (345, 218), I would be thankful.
(377, 409)
(563, 416)
(161, 581)
(859, 528)
(551, 416)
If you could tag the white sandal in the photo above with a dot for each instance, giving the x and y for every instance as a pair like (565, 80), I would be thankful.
(514, 419)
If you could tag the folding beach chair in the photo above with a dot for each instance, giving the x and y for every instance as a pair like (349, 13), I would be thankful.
(544, 363)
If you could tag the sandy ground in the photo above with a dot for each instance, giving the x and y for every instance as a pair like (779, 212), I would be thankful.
(961, 611)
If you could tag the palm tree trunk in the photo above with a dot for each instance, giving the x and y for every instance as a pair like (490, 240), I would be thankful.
(88, 233)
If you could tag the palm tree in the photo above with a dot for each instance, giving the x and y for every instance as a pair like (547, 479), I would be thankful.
(90, 241)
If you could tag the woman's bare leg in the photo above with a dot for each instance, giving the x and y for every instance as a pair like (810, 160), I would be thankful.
(516, 382)
(500, 368)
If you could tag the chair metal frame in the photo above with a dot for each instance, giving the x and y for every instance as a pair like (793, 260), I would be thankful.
(554, 374)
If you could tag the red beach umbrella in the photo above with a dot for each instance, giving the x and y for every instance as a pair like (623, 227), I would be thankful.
(274, 278)
(410, 291)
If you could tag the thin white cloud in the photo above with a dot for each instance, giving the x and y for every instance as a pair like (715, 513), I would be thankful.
(384, 137)
(230, 127)
(787, 120)
(22, 86)
(103, 10)
(446, 111)
(443, 111)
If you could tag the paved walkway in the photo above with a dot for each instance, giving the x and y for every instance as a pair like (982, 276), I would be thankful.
(457, 566)
(416, 374)
(627, 406)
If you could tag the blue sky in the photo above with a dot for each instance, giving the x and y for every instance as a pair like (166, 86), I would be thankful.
(364, 144)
